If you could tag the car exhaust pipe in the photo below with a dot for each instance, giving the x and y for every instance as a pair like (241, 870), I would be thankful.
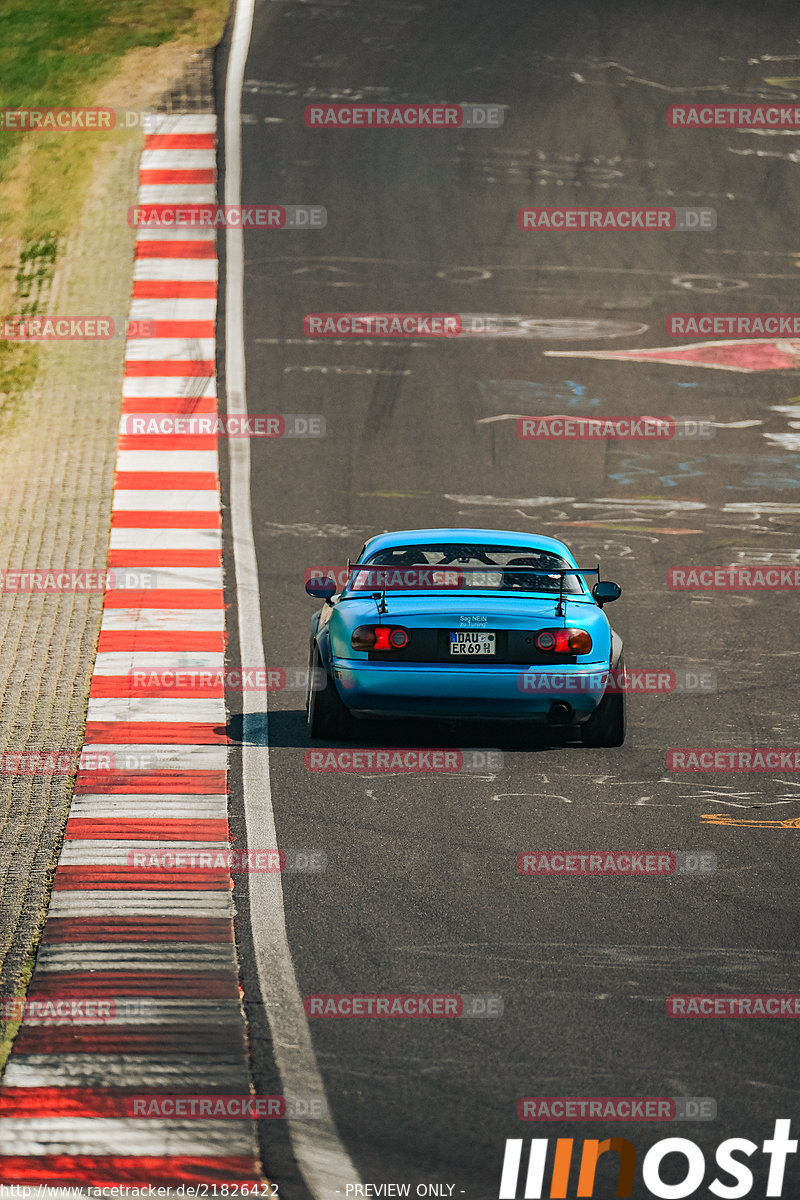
(560, 713)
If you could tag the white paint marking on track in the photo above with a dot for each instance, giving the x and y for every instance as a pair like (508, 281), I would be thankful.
(133, 956)
(167, 460)
(165, 539)
(321, 1157)
(142, 903)
(178, 160)
(173, 308)
(149, 806)
(189, 387)
(169, 756)
(171, 193)
(176, 268)
(82, 1136)
(129, 1070)
(124, 662)
(168, 500)
(182, 123)
(181, 620)
(183, 233)
(197, 578)
(147, 708)
(184, 349)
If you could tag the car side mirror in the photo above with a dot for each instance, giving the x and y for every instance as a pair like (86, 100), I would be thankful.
(322, 589)
(604, 591)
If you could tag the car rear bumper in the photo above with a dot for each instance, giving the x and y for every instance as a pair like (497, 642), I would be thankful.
(499, 692)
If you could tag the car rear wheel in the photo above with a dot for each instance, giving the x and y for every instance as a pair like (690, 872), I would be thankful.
(328, 716)
(606, 725)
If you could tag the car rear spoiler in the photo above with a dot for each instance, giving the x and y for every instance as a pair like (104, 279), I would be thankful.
(380, 592)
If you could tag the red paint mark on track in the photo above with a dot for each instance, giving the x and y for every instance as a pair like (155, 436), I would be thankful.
(754, 355)
(153, 685)
(164, 558)
(190, 248)
(154, 829)
(137, 929)
(174, 289)
(128, 519)
(194, 598)
(180, 177)
(136, 367)
(135, 879)
(165, 783)
(164, 481)
(149, 640)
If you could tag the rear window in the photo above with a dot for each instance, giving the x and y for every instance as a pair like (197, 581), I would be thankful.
(485, 567)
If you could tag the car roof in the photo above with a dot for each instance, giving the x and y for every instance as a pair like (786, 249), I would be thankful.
(494, 537)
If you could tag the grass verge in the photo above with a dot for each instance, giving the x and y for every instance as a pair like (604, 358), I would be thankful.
(72, 54)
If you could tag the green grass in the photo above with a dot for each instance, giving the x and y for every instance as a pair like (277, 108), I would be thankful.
(59, 54)
(53, 51)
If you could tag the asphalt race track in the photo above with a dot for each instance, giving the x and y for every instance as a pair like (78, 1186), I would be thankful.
(421, 891)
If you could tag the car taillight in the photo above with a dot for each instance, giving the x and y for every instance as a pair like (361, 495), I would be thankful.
(564, 641)
(379, 637)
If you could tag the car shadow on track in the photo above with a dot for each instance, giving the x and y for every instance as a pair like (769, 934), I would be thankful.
(287, 727)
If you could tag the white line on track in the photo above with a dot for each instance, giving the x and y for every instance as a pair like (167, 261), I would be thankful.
(320, 1155)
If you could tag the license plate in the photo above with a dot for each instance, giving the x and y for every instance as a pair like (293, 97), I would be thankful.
(472, 642)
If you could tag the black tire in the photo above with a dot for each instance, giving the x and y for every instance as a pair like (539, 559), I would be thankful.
(328, 716)
(606, 725)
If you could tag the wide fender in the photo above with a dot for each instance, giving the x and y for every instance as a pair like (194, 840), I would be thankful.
(322, 638)
(616, 648)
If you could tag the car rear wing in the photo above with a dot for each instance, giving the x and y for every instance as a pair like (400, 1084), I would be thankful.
(422, 576)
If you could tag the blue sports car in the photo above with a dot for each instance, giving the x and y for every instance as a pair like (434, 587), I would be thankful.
(466, 623)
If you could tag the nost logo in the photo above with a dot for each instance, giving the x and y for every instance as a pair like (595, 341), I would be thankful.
(732, 1157)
